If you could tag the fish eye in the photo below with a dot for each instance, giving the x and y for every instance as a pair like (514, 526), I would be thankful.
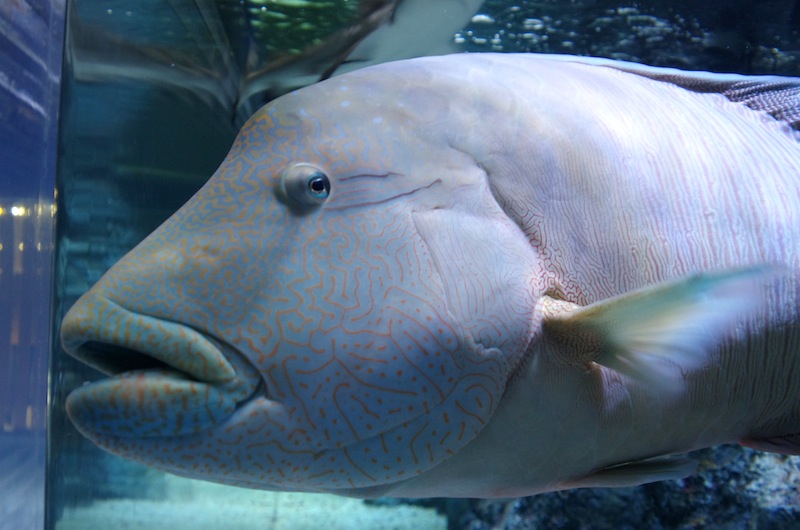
(318, 185)
(305, 184)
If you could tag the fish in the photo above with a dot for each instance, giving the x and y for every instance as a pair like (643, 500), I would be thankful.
(241, 57)
(472, 275)
(379, 34)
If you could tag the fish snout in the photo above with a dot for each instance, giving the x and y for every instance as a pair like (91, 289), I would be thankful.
(165, 379)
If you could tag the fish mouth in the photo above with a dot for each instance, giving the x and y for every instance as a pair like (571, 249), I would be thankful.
(165, 378)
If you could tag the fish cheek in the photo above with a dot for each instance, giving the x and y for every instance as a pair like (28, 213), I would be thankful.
(489, 274)
(368, 379)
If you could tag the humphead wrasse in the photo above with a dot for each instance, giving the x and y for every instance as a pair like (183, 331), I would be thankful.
(475, 275)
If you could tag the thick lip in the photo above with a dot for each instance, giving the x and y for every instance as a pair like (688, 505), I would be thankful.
(165, 379)
(128, 341)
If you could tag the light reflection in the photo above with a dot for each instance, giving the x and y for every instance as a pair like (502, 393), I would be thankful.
(21, 230)
(26, 246)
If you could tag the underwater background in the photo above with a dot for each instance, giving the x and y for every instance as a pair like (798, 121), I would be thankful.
(151, 96)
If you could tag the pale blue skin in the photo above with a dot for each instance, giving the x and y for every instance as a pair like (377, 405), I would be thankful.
(418, 331)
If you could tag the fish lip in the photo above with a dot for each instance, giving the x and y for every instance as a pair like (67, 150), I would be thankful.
(129, 341)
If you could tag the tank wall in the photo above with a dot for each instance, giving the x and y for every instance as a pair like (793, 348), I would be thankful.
(31, 45)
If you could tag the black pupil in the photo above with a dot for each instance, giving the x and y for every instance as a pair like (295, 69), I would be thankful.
(318, 184)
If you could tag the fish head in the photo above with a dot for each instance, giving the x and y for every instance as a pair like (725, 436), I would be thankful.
(340, 306)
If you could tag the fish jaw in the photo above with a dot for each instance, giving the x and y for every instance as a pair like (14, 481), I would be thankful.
(166, 379)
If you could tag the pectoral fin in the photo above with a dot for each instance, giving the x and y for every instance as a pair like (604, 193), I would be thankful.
(638, 472)
(677, 322)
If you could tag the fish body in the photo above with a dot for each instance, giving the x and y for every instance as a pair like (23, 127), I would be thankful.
(475, 275)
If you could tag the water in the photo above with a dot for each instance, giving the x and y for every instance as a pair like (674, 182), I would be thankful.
(152, 94)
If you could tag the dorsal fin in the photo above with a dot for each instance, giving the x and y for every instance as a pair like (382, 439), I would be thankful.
(779, 96)
(775, 95)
